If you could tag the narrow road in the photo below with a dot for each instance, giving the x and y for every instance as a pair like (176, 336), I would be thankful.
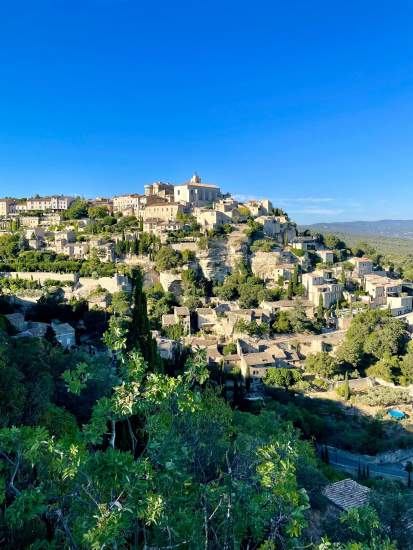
(351, 462)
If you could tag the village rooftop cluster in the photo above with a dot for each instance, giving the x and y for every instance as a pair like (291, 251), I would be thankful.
(212, 234)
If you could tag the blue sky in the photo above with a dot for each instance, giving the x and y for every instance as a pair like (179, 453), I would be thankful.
(307, 103)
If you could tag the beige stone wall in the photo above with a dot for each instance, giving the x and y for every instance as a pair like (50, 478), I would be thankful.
(39, 276)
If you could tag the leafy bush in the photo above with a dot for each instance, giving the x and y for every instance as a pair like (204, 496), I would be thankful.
(282, 378)
(322, 364)
(381, 396)
(167, 258)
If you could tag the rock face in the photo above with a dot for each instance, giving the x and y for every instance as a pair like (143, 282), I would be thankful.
(171, 282)
(223, 255)
(263, 263)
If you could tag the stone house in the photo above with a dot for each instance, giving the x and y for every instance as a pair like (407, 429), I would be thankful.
(211, 219)
(303, 243)
(326, 255)
(182, 316)
(380, 287)
(259, 207)
(30, 221)
(196, 193)
(206, 319)
(54, 202)
(362, 266)
(64, 333)
(131, 204)
(7, 207)
(399, 305)
(161, 190)
(271, 226)
(321, 287)
(163, 211)
(254, 366)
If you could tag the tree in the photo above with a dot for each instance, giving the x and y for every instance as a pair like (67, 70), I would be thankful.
(333, 242)
(97, 212)
(229, 348)
(282, 377)
(406, 366)
(282, 324)
(120, 303)
(167, 258)
(320, 308)
(203, 470)
(321, 364)
(77, 210)
(139, 334)
(409, 470)
(387, 368)
(343, 390)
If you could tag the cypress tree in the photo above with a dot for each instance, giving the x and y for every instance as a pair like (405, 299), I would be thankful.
(139, 334)
(290, 291)
(320, 309)
(295, 278)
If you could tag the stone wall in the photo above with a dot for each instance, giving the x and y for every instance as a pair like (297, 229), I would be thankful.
(39, 276)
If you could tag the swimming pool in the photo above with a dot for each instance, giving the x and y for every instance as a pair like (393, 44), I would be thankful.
(395, 413)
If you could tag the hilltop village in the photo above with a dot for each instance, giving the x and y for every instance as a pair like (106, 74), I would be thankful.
(236, 279)
(182, 369)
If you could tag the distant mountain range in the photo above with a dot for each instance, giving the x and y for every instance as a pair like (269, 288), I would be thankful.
(384, 228)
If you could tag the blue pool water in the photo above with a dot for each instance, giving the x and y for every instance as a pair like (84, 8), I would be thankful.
(395, 413)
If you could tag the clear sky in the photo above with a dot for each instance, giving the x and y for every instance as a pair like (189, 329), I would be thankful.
(309, 103)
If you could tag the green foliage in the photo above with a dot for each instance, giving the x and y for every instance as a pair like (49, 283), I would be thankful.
(76, 379)
(372, 335)
(343, 390)
(241, 285)
(97, 212)
(297, 252)
(263, 245)
(406, 366)
(254, 229)
(203, 243)
(387, 368)
(77, 210)
(321, 364)
(381, 396)
(294, 321)
(333, 242)
(229, 349)
(252, 328)
(282, 378)
(174, 332)
(120, 303)
(187, 256)
(167, 258)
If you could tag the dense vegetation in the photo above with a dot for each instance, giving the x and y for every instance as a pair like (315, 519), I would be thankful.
(111, 452)
(14, 256)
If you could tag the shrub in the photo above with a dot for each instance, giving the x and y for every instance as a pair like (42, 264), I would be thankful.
(381, 396)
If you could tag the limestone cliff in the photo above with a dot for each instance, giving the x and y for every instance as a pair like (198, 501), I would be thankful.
(222, 255)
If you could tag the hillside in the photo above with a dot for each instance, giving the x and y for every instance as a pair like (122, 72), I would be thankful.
(384, 228)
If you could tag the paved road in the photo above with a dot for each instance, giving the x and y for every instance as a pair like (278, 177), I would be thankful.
(347, 461)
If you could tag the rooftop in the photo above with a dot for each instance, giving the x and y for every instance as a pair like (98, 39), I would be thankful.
(258, 359)
(347, 494)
